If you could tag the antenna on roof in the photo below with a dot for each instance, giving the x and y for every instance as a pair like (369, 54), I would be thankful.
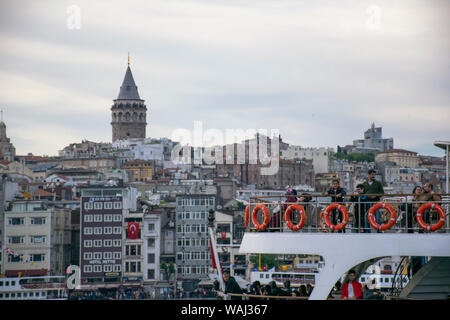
(128, 59)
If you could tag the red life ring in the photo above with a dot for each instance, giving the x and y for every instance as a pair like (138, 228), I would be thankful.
(432, 206)
(385, 226)
(326, 216)
(247, 216)
(255, 211)
(287, 217)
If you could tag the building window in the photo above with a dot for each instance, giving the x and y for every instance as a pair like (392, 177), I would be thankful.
(98, 218)
(117, 218)
(98, 243)
(88, 218)
(88, 205)
(87, 243)
(87, 255)
(18, 258)
(107, 255)
(97, 255)
(37, 220)
(87, 268)
(15, 240)
(151, 227)
(98, 230)
(117, 255)
(151, 258)
(97, 268)
(108, 230)
(98, 205)
(108, 205)
(37, 239)
(16, 221)
(87, 230)
(151, 274)
(37, 257)
(117, 243)
(117, 230)
(117, 205)
(108, 217)
(117, 268)
(151, 242)
(108, 243)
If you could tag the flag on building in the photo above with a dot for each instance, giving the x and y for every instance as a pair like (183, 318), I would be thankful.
(133, 230)
(11, 252)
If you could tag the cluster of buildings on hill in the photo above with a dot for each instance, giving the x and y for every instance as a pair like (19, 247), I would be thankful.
(128, 215)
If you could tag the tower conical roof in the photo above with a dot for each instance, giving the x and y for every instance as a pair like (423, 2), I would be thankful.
(128, 90)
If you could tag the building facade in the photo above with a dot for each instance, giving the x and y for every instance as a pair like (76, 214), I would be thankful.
(193, 255)
(29, 234)
(402, 158)
(101, 232)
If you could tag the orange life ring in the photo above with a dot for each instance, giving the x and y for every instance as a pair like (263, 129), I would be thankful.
(385, 226)
(246, 216)
(435, 206)
(255, 211)
(326, 216)
(287, 217)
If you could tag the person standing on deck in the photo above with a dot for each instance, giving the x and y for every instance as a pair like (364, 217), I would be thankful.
(373, 186)
(337, 195)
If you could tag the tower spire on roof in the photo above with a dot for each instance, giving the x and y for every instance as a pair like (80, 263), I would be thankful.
(128, 89)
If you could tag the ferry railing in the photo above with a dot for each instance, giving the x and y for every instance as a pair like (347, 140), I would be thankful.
(406, 269)
(245, 296)
(357, 207)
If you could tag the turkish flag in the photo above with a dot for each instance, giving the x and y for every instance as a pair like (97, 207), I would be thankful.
(212, 255)
(223, 234)
(133, 230)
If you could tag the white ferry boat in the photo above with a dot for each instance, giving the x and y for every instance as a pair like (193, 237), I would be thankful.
(32, 288)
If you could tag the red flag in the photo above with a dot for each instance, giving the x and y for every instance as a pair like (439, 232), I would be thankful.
(133, 230)
(212, 255)
(223, 234)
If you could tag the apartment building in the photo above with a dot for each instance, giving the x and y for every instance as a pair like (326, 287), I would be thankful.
(193, 255)
(102, 214)
(37, 236)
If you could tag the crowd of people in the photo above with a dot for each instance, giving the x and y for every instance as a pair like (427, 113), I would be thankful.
(271, 289)
(365, 196)
(120, 294)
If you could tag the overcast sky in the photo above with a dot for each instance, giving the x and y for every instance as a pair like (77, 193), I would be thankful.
(319, 71)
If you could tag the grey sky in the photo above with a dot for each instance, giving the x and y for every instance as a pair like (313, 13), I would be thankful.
(319, 71)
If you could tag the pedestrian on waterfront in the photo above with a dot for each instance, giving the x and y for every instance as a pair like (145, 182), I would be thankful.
(303, 291)
(231, 286)
(309, 289)
(370, 292)
(287, 290)
(255, 288)
(337, 194)
(359, 201)
(428, 195)
(411, 208)
(352, 289)
(375, 190)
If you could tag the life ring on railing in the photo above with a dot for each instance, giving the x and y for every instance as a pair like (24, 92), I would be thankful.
(246, 216)
(326, 216)
(255, 211)
(287, 217)
(392, 219)
(433, 206)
